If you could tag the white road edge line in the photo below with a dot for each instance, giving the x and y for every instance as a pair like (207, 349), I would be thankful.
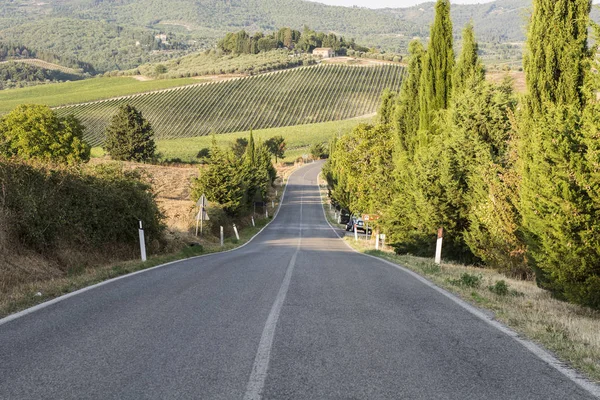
(258, 375)
(88, 288)
(541, 353)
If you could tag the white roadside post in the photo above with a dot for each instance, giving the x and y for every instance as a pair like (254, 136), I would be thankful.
(266, 212)
(376, 242)
(438, 247)
(355, 233)
(202, 215)
(273, 204)
(253, 224)
(237, 235)
(142, 242)
(222, 238)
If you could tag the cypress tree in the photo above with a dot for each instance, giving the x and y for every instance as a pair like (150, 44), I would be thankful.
(386, 108)
(557, 55)
(406, 115)
(436, 80)
(558, 197)
(468, 66)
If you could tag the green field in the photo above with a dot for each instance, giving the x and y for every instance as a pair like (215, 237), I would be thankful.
(298, 140)
(293, 97)
(83, 91)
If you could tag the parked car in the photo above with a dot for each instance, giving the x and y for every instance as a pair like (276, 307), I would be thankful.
(344, 216)
(360, 226)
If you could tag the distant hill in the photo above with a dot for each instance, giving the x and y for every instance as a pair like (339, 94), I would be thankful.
(121, 34)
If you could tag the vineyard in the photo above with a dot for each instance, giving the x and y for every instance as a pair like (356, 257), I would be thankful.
(294, 97)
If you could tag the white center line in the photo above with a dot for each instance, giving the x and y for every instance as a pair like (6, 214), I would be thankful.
(258, 376)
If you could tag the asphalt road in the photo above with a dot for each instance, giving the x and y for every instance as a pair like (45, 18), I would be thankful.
(293, 315)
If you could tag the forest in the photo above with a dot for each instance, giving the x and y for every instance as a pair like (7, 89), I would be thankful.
(513, 181)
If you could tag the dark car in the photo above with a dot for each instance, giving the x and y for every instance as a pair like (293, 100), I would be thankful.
(344, 216)
(360, 225)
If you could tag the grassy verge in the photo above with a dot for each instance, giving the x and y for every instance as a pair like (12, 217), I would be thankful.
(569, 331)
(83, 91)
(29, 295)
(298, 139)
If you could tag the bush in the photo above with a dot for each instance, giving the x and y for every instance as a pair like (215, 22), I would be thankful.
(500, 288)
(129, 137)
(317, 151)
(36, 132)
(86, 210)
(467, 280)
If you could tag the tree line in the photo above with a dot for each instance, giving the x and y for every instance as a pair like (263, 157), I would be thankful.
(285, 38)
(514, 182)
(18, 74)
(12, 51)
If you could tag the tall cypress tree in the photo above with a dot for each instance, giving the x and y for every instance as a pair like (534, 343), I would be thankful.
(557, 55)
(468, 66)
(406, 116)
(558, 200)
(436, 80)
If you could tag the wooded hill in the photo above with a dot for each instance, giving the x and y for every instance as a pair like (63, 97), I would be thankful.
(121, 35)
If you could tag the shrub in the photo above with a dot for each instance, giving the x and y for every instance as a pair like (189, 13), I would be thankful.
(129, 137)
(36, 132)
(92, 209)
(317, 151)
(160, 69)
(467, 280)
(500, 288)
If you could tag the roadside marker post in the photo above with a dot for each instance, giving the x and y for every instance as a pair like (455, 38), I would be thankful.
(202, 215)
(142, 242)
(237, 235)
(438, 247)
(222, 238)
(377, 242)
(355, 233)
(253, 224)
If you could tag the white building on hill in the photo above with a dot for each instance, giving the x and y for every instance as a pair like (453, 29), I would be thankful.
(324, 52)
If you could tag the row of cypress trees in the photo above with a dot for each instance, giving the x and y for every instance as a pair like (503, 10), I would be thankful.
(515, 182)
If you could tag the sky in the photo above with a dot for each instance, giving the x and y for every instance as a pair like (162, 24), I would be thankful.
(390, 3)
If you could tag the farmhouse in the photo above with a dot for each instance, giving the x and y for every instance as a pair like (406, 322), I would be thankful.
(324, 52)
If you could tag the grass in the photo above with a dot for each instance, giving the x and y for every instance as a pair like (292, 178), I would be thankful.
(567, 330)
(83, 91)
(298, 139)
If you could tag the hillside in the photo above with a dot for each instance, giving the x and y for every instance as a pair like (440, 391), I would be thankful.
(121, 35)
(292, 97)
(84, 91)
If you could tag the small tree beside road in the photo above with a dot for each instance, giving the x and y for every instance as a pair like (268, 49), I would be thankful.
(276, 146)
(130, 137)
